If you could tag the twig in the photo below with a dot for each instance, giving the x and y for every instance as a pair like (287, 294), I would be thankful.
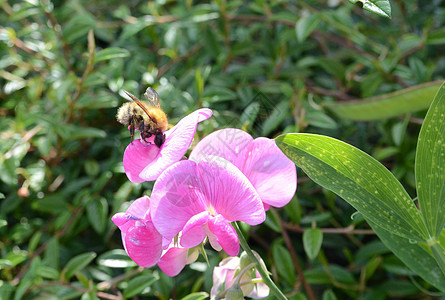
(311, 87)
(87, 71)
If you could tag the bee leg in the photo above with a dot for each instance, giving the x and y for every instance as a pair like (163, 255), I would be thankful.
(160, 139)
(132, 131)
(145, 135)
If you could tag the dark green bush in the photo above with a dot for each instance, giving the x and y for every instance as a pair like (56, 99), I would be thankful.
(267, 67)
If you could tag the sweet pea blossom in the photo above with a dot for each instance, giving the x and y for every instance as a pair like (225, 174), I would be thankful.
(201, 199)
(273, 175)
(146, 161)
(143, 243)
(225, 276)
(141, 240)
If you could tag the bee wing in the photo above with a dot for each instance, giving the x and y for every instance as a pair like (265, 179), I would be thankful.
(152, 97)
(138, 102)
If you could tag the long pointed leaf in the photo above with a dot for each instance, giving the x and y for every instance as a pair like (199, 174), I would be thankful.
(430, 165)
(359, 179)
(394, 104)
(416, 256)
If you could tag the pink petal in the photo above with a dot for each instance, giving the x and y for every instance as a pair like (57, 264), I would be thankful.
(223, 275)
(203, 114)
(177, 142)
(273, 175)
(173, 261)
(214, 186)
(144, 244)
(231, 144)
(260, 290)
(176, 197)
(229, 193)
(193, 233)
(225, 234)
(136, 157)
(134, 214)
(139, 207)
(268, 169)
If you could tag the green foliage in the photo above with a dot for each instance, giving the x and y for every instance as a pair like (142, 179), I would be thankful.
(405, 101)
(380, 7)
(379, 197)
(267, 67)
(312, 239)
(430, 166)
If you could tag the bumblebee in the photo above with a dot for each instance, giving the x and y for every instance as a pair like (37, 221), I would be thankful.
(146, 116)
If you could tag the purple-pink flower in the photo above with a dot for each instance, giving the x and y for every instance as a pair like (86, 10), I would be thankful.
(201, 199)
(141, 240)
(273, 175)
(143, 243)
(145, 161)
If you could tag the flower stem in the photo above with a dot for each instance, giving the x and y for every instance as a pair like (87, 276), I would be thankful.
(266, 279)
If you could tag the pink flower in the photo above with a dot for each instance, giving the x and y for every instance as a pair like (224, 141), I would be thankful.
(272, 174)
(141, 240)
(201, 199)
(143, 243)
(145, 162)
(226, 273)
(174, 259)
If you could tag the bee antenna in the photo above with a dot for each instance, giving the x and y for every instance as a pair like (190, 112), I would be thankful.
(130, 95)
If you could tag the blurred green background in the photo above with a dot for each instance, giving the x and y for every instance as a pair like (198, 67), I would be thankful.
(267, 67)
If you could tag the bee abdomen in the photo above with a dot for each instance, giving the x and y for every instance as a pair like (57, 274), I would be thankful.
(125, 114)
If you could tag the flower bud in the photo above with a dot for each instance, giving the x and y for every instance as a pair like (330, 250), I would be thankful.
(235, 293)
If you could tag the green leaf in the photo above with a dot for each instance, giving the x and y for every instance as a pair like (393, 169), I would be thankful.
(318, 275)
(77, 263)
(372, 266)
(284, 263)
(138, 284)
(116, 258)
(273, 222)
(329, 295)
(24, 285)
(409, 100)
(111, 53)
(77, 27)
(97, 213)
(359, 179)
(293, 210)
(306, 25)
(416, 256)
(275, 118)
(439, 254)
(87, 132)
(400, 288)
(53, 203)
(51, 256)
(196, 296)
(34, 241)
(379, 7)
(430, 166)
(48, 272)
(101, 99)
(436, 37)
(312, 239)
